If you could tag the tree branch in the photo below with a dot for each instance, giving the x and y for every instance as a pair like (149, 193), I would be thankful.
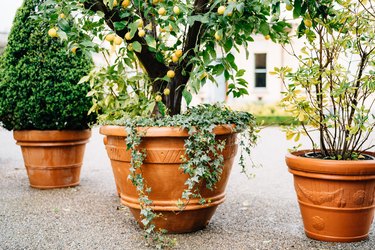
(192, 39)
(154, 68)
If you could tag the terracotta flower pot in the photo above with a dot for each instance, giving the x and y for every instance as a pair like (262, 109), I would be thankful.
(336, 198)
(53, 158)
(161, 170)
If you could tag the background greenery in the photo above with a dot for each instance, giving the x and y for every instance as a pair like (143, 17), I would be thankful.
(38, 78)
(268, 114)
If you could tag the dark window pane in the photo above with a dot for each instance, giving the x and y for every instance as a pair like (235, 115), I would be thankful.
(260, 80)
(260, 61)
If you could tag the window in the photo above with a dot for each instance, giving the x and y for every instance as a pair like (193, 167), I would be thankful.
(260, 70)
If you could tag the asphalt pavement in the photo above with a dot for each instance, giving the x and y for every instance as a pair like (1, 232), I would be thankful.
(259, 213)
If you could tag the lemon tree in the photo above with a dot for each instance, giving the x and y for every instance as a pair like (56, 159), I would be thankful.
(152, 38)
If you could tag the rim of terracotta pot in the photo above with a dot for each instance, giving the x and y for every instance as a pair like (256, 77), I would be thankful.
(296, 162)
(50, 135)
(114, 130)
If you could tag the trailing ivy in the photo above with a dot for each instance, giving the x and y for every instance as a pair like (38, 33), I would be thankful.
(203, 160)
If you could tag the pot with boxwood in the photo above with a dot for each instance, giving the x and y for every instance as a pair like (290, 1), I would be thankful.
(331, 94)
(170, 167)
(42, 102)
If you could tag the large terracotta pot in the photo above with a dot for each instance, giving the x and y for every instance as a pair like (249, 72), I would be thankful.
(336, 198)
(53, 158)
(161, 170)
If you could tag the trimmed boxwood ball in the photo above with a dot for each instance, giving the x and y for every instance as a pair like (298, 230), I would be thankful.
(39, 78)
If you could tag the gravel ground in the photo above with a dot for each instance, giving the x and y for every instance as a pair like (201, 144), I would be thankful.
(259, 213)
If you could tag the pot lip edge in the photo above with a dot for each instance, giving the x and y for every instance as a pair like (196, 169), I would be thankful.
(39, 135)
(329, 167)
(296, 155)
(163, 131)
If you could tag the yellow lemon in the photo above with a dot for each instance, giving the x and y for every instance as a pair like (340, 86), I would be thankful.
(141, 33)
(117, 40)
(176, 10)
(171, 74)
(74, 50)
(308, 23)
(178, 53)
(221, 10)
(174, 58)
(162, 11)
(218, 37)
(167, 91)
(52, 32)
(110, 37)
(128, 36)
(125, 3)
(158, 98)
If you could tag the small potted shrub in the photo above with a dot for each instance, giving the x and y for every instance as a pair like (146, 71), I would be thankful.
(331, 94)
(171, 167)
(41, 100)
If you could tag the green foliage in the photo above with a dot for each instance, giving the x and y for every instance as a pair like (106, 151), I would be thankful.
(205, 37)
(203, 161)
(39, 79)
(275, 120)
(333, 89)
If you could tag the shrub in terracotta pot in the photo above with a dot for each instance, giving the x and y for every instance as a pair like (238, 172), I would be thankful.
(159, 53)
(331, 94)
(41, 100)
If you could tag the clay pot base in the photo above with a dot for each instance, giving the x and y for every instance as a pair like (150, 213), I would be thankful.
(336, 224)
(188, 221)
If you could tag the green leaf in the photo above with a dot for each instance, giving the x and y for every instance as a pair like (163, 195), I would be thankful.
(151, 42)
(297, 8)
(264, 28)
(187, 96)
(120, 25)
(133, 29)
(228, 45)
(231, 60)
(206, 57)
(64, 25)
(218, 69)
(240, 73)
(137, 46)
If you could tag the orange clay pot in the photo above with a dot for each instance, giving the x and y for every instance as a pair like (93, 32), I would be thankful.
(336, 198)
(53, 158)
(161, 171)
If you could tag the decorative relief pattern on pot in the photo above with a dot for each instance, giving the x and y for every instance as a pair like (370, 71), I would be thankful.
(359, 197)
(117, 153)
(165, 156)
(318, 198)
(318, 223)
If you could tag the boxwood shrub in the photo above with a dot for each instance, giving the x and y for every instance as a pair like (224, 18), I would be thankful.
(39, 78)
